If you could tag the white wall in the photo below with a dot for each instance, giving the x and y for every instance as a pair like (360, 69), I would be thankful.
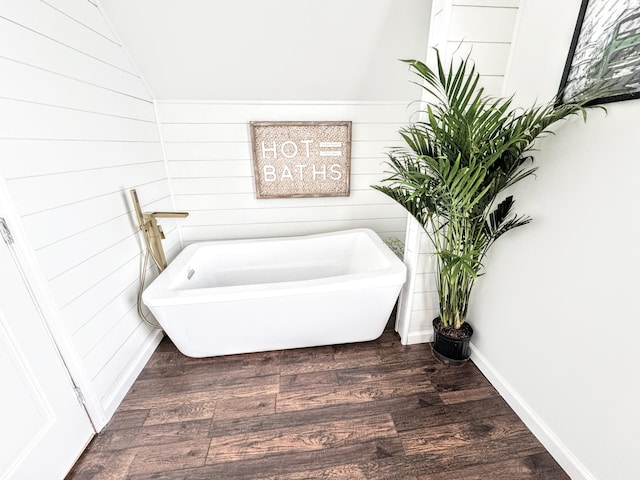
(208, 150)
(555, 317)
(77, 130)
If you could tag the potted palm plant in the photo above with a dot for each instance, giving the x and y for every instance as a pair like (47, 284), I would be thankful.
(459, 159)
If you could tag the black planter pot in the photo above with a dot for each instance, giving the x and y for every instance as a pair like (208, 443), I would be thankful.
(448, 349)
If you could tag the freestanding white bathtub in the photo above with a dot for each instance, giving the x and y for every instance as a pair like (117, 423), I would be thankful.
(225, 297)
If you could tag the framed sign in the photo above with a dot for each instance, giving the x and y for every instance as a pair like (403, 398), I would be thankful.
(301, 159)
(605, 52)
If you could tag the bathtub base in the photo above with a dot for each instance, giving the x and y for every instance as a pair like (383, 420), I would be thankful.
(271, 324)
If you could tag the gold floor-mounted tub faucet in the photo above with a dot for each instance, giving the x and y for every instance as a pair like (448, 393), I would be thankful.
(152, 231)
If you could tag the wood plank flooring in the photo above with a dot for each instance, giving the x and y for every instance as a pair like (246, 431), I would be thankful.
(374, 410)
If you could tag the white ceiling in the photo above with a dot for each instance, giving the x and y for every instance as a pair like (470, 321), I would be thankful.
(314, 50)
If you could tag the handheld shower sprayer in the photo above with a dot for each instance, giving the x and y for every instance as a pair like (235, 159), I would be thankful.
(153, 232)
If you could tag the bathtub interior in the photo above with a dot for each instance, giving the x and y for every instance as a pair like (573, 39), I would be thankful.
(273, 261)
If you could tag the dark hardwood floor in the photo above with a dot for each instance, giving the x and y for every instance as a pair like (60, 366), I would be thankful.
(375, 410)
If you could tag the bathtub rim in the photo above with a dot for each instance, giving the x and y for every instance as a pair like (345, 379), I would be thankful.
(158, 292)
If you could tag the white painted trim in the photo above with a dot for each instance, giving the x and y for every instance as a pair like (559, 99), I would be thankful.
(50, 312)
(512, 49)
(420, 336)
(119, 392)
(438, 39)
(405, 301)
(567, 460)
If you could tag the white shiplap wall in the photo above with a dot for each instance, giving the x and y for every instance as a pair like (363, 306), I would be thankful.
(77, 131)
(208, 149)
(484, 29)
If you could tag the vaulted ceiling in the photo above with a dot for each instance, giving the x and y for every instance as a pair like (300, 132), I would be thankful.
(323, 50)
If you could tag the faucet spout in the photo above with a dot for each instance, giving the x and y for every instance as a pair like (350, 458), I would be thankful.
(169, 214)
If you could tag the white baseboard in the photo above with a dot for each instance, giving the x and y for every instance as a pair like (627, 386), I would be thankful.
(130, 376)
(420, 336)
(558, 450)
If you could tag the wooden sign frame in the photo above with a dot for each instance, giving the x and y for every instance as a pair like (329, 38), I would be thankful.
(301, 159)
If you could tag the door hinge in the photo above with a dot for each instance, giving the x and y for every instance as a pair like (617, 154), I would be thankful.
(79, 395)
(5, 232)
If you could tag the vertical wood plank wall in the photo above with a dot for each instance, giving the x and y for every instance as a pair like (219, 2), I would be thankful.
(208, 151)
(77, 131)
(483, 28)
